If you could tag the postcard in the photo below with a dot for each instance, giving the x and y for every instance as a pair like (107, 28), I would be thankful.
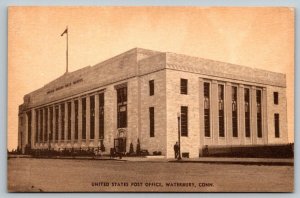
(150, 99)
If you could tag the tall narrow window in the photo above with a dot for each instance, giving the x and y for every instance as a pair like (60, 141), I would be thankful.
(122, 107)
(184, 121)
(247, 111)
(51, 124)
(84, 118)
(206, 88)
(62, 121)
(46, 125)
(221, 110)
(29, 127)
(36, 125)
(234, 112)
(151, 120)
(69, 120)
(101, 116)
(276, 100)
(41, 125)
(92, 117)
(259, 113)
(56, 122)
(76, 119)
(276, 125)
(151, 87)
(183, 86)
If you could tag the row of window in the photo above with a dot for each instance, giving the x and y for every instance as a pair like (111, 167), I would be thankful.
(122, 114)
(42, 136)
(207, 123)
(184, 90)
(41, 116)
(234, 121)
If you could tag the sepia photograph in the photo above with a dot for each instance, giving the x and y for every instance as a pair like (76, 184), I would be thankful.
(150, 99)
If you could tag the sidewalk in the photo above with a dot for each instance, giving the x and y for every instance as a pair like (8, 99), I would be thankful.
(244, 161)
(215, 160)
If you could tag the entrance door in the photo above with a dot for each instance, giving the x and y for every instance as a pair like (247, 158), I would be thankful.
(120, 145)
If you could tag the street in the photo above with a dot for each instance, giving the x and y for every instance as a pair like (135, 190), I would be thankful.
(72, 175)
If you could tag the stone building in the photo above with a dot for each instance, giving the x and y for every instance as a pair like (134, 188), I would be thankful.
(139, 95)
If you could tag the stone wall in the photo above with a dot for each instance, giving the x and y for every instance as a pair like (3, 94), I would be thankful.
(158, 101)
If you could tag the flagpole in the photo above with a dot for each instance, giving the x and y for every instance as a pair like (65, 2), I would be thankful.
(67, 52)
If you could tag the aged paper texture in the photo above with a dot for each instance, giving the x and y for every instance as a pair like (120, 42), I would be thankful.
(150, 99)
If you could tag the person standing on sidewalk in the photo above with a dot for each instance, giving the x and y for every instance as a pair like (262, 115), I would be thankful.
(176, 150)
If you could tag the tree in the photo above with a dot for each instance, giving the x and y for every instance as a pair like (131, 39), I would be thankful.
(138, 147)
(102, 147)
(131, 151)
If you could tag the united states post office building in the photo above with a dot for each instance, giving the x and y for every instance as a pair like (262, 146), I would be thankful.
(139, 95)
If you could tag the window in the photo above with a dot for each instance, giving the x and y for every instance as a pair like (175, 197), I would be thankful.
(206, 89)
(221, 110)
(51, 124)
(276, 125)
(46, 125)
(69, 120)
(83, 114)
(41, 125)
(185, 155)
(276, 100)
(234, 112)
(56, 122)
(101, 116)
(247, 111)
(36, 125)
(259, 113)
(92, 117)
(151, 118)
(151, 87)
(29, 127)
(122, 107)
(76, 119)
(62, 121)
(184, 121)
(183, 86)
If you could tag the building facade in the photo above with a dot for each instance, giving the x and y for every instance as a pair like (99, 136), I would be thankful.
(139, 95)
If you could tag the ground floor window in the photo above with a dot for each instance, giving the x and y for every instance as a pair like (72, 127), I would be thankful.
(101, 115)
(56, 122)
(76, 119)
(92, 117)
(69, 120)
(247, 111)
(62, 117)
(83, 118)
(206, 93)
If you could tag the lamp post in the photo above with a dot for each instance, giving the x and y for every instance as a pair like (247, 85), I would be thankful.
(179, 153)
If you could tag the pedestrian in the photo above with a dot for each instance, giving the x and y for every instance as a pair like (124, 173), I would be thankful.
(176, 150)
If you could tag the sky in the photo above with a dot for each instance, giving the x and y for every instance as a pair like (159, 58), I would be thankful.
(255, 37)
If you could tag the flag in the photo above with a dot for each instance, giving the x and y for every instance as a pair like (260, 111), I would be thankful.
(66, 31)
